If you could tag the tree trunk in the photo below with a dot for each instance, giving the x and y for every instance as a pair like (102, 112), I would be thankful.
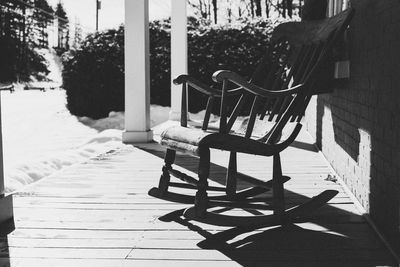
(283, 5)
(252, 8)
(258, 8)
(229, 12)
(67, 40)
(289, 8)
(267, 8)
(209, 10)
(1, 20)
(24, 37)
(301, 8)
(215, 9)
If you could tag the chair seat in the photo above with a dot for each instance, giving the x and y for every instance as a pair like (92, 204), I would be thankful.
(184, 139)
(190, 140)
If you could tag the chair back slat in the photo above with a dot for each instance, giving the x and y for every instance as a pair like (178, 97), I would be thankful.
(299, 72)
(236, 111)
(316, 49)
(275, 108)
(296, 56)
(284, 106)
(252, 119)
(210, 104)
(298, 59)
(289, 81)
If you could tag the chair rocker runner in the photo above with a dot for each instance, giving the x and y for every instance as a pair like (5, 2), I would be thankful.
(280, 90)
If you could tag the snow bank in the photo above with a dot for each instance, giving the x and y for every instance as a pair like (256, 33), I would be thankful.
(116, 120)
(41, 137)
(35, 169)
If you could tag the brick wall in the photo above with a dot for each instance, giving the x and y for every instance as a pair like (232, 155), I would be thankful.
(358, 126)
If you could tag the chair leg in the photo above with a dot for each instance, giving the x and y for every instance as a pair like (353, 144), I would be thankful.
(165, 177)
(201, 200)
(277, 187)
(231, 180)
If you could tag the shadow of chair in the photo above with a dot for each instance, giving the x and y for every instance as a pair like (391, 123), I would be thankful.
(325, 240)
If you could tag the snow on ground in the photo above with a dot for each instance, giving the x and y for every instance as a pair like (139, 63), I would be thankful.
(54, 66)
(115, 120)
(40, 137)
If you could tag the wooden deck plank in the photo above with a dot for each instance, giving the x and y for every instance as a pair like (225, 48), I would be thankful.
(99, 214)
(28, 262)
(294, 255)
(143, 242)
(129, 208)
(65, 253)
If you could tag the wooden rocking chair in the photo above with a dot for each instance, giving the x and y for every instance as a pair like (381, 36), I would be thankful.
(280, 89)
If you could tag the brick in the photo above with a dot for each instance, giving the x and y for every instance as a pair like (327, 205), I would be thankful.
(369, 102)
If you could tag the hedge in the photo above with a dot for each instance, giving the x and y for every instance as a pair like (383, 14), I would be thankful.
(93, 75)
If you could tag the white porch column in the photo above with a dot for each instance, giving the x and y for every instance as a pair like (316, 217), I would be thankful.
(178, 53)
(137, 72)
(6, 205)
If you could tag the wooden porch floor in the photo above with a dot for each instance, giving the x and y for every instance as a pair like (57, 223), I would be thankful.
(99, 214)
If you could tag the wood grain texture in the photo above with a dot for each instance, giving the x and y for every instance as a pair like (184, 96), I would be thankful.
(99, 214)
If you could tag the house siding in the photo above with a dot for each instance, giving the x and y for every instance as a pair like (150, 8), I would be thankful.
(358, 126)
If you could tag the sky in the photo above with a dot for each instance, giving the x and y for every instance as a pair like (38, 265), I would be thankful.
(111, 14)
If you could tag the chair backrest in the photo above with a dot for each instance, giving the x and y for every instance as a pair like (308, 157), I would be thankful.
(298, 54)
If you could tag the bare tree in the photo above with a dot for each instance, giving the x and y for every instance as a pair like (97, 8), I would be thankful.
(283, 7)
(229, 10)
(201, 8)
(252, 8)
(258, 8)
(289, 6)
(267, 4)
(215, 9)
(300, 8)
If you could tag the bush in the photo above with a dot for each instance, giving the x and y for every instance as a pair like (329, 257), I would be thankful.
(94, 76)
(235, 47)
(160, 62)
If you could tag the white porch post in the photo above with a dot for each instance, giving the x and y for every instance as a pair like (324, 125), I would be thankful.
(6, 206)
(178, 53)
(137, 72)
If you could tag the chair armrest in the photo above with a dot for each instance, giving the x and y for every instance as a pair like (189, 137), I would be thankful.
(196, 84)
(235, 78)
(202, 87)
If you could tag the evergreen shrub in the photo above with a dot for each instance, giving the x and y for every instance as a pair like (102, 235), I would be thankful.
(94, 74)
(14, 67)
